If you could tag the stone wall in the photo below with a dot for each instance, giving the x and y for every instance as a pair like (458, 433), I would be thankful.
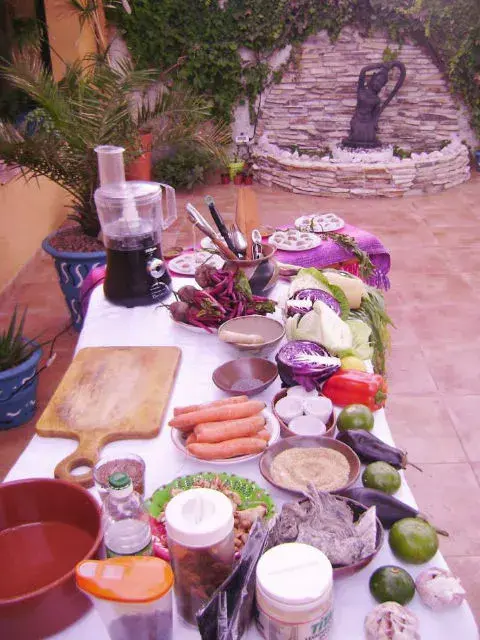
(313, 105)
(422, 174)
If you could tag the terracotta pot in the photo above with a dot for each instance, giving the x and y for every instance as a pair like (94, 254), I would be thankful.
(141, 167)
(262, 274)
(52, 525)
(248, 180)
(225, 178)
(238, 179)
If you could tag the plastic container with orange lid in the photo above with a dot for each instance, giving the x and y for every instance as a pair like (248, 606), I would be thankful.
(133, 595)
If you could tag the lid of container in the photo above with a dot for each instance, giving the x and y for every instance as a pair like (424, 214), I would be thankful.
(115, 193)
(126, 579)
(119, 480)
(294, 573)
(199, 517)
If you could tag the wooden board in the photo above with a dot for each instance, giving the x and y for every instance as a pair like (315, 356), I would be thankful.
(108, 393)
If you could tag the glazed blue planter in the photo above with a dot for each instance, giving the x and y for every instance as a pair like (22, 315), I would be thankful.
(18, 388)
(477, 160)
(72, 268)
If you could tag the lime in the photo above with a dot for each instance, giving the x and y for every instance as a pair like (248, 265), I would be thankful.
(392, 583)
(413, 540)
(381, 476)
(355, 416)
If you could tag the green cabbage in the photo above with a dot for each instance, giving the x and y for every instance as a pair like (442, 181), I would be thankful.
(361, 333)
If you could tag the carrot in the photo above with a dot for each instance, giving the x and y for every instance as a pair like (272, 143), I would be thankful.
(191, 439)
(264, 434)
(227, 449)
(216, 414)
(178, 411)
(228, 429)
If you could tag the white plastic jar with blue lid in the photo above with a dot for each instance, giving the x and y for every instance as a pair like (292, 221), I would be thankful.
(294, 593)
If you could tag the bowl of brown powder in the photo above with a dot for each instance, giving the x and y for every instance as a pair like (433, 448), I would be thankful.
(294, 463)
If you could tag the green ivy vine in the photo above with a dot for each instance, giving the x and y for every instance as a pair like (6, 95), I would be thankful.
(204, 39)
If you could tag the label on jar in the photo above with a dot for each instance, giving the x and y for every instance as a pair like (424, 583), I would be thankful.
(316, 629)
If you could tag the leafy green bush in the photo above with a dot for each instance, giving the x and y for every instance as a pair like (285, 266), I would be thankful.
(184, 167)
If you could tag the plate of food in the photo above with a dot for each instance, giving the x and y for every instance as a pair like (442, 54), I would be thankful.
(224, 432)
(187, 263)
(318, 222)
(294, 240)
(249, 500)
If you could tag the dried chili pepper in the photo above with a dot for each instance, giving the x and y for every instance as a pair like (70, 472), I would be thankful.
(356, 387)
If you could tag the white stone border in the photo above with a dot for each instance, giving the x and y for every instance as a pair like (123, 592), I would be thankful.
(423, 173)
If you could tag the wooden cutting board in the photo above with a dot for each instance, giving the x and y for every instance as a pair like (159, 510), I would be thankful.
(108, 393)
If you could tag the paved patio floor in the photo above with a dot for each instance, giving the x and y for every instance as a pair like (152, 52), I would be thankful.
(434, 366)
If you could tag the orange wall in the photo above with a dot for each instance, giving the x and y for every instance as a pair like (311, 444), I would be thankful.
(28, 212)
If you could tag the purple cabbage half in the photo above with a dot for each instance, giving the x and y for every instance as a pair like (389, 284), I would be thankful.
(305, 363)
(312, 295)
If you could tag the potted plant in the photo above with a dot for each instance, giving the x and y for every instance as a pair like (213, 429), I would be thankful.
(238, 178)
(19, 359)
(247, 173)
(235, 166)
(225, 176)
(93, 105)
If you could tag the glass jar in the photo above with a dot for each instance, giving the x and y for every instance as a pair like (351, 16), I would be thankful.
(294, 593)
(128, 463)
(200, 537)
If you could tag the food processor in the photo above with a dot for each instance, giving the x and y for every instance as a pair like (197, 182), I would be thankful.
(131, 217)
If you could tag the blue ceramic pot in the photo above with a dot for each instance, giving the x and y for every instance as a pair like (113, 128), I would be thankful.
(72, 268)
(18, 388)
(477, 160)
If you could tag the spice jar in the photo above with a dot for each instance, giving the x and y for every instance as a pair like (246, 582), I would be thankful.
(294, 594)
(128, 463)
(200, 538)
(133, 595)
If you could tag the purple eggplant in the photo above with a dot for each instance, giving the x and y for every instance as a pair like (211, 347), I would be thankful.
(369, 448)
(389, 509)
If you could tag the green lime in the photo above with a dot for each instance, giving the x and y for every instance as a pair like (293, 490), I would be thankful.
(413, 540)
(381, 476)
(355, 416)
(392, 583)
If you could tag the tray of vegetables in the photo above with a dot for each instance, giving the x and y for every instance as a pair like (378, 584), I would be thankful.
(224, 294)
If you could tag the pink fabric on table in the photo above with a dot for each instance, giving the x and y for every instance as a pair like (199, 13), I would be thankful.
(328, 253)
(93, 279)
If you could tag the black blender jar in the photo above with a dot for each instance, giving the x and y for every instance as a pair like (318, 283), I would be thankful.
(132, 220)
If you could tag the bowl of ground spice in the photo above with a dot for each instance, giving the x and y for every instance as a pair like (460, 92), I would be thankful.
(128, 463)
(294, 463)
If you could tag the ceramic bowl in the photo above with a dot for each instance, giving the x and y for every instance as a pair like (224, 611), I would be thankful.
(286, 432)
(245, 376)
(272, 331)
(262, 273)
(308, 442)
(351, 569)
(51, 525)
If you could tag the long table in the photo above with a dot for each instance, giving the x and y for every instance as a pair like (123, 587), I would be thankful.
(107, 325)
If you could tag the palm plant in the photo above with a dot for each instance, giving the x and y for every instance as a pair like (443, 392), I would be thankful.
(98, 103)
(14, 347)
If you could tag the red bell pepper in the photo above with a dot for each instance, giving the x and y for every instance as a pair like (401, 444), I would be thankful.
(356, 387)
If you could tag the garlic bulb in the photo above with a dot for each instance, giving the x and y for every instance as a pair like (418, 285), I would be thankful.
(439, 589)
(391, 621)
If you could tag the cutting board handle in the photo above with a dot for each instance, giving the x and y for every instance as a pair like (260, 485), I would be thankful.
(86, 454)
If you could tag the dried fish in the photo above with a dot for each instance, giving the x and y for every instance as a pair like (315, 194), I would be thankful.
(327, 522)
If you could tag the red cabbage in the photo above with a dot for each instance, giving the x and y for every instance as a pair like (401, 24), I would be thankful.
(318, 294)
(305, 363)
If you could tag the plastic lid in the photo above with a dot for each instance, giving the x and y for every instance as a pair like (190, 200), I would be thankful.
(119, 480)
(294, 573)
(116, 193)
(199, 517)
(127, 579)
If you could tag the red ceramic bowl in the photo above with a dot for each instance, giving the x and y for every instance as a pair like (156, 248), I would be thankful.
(46, 527)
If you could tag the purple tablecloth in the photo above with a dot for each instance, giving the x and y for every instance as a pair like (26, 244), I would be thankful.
(329, 253)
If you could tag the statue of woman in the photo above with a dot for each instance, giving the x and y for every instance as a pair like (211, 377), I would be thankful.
(364, 124)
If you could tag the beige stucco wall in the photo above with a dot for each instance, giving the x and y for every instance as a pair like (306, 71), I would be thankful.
(28, 212)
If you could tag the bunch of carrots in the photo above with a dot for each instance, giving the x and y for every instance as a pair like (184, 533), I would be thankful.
(223, 428)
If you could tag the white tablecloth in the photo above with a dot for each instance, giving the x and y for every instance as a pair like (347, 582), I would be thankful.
(107, 325)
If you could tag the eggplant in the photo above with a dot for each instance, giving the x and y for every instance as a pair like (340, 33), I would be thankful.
(389, 509)
(369, 448)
